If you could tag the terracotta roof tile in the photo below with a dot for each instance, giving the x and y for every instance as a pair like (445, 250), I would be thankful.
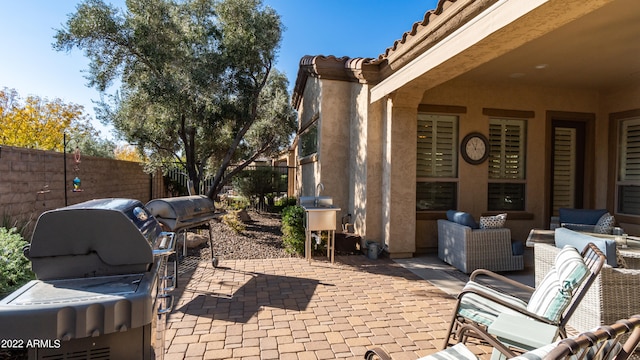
(428, 17)
(437, 24)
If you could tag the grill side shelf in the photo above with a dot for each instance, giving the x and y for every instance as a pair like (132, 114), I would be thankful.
(49, 309)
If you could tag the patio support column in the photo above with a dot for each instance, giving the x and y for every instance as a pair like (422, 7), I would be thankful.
(399, 173)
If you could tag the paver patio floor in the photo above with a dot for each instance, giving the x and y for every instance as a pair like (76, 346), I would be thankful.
(292, 309)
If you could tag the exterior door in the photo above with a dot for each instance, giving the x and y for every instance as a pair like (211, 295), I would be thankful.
(567, 165)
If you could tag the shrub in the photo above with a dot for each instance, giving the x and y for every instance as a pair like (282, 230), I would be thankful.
(15, 269)
(283, 202)
(293, 235)
(232, 220)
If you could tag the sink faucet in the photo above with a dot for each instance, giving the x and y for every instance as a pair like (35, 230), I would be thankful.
(319, 188)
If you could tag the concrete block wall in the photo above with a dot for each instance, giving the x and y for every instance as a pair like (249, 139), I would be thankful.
(33, 181)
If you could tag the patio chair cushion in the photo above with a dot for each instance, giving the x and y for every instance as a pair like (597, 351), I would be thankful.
(551, 298)
(457, 352)
(482, 310)
(462, 218)
(460, 352)
(571, 268)
(537, 354)
(581, 216)
(564, 237)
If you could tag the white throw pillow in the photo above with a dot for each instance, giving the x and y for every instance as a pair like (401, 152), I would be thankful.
(493, 222)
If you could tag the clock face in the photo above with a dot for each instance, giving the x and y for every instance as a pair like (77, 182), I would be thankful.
(475, 148)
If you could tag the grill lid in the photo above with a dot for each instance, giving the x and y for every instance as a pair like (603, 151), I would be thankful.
(183, 211)
(97, 237)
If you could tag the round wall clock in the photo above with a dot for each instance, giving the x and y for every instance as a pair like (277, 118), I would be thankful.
(475, 148)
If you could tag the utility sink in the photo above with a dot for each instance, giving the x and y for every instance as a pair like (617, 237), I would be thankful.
(320, 213)
(316, 201)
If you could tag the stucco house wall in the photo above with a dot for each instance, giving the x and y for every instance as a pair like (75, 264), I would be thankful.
(483, 57)
(327, 102)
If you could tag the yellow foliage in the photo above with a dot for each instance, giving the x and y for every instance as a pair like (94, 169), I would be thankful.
(127, 153)
(37, 123)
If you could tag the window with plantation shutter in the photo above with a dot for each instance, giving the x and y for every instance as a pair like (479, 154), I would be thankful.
(437, 166)
(507, 178)
(564, 172)
(629, 167)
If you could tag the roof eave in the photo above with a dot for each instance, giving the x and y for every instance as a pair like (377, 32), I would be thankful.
(332, 68)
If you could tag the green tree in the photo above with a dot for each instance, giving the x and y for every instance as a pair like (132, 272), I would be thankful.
(257, 183)
(197, 80)
(38, 123)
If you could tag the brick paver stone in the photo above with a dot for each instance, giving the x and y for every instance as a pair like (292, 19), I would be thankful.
(290, 309)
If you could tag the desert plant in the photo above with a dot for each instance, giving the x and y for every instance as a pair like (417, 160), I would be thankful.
(22, 225)
(238, 203)
(293, 229)
(232, 220)
(15, 268)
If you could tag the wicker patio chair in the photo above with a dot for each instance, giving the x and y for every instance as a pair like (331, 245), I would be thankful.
(615, 293)
(615, 342)
(552, 302)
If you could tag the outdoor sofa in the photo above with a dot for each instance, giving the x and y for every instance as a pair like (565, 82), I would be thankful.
(465, 246)
(588, 220)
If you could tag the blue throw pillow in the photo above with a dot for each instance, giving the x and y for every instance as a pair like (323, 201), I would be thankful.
(451, 214)
(565, 237)
(517, 248)
(462, 218)
(581, 216)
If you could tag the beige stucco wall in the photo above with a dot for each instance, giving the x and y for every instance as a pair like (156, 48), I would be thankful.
(334, 147)
(358, 135)
(473, 178)
(328, 100)
(399, 175)
(374, 173)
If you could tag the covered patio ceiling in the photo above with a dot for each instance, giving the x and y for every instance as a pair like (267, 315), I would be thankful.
(592, 44)
(600, 50)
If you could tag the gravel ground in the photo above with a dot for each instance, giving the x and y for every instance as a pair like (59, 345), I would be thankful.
(261, 239)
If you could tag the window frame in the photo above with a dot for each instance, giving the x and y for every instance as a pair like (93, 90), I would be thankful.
(503, 178)
(434, 178)
(305, 130)
(620, 167)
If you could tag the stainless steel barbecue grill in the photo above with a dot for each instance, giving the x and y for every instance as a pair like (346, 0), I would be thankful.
(102, 288)
(182, 213)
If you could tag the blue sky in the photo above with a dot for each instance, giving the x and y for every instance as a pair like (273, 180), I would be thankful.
(354, 28)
